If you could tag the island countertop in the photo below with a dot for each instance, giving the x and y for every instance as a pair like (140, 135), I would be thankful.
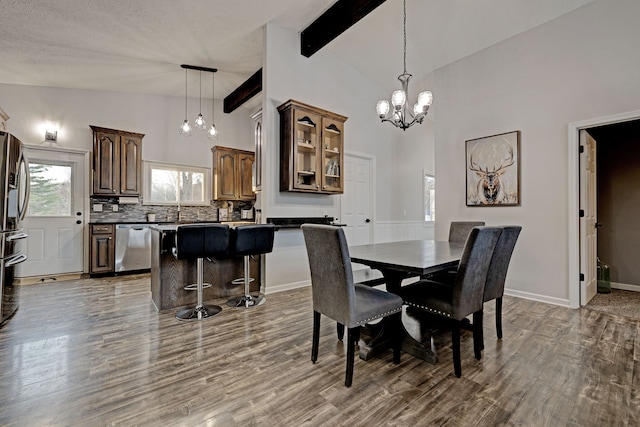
(169, 275)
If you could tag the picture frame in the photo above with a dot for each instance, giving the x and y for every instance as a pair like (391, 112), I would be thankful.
(493, 170)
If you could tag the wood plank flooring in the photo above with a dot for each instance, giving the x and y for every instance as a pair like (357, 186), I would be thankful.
(95, 352)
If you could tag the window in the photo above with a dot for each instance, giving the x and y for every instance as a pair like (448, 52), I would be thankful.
(50, 189)
(429, 196)
(168, 184)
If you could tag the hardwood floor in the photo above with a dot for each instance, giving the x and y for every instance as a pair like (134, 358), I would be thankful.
(95, 352)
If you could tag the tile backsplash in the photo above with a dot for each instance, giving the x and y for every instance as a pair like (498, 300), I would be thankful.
(138, 212)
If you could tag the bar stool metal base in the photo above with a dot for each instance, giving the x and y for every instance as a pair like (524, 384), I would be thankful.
(202, 312)
(246, 301)
(194, 286)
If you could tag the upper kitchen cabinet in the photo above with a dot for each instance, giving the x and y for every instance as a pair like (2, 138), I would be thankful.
(117, 162)
(312, 149)
(232, 174)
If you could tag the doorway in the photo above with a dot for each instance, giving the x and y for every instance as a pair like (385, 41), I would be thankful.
(578, 246)
(356, 203)
(55, 219)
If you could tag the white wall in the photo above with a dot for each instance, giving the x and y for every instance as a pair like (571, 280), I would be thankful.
(327, 82)
(579, 66)
(158, 117)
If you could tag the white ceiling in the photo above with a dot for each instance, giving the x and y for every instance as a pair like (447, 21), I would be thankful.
(137, 46)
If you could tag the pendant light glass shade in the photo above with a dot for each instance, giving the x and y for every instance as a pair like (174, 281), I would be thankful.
(213, 132)
(185, 127)
(199, 122)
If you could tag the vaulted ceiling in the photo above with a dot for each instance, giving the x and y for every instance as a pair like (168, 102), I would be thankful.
(137, 46)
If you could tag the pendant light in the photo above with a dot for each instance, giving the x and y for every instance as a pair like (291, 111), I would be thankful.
(400, 116)
(185, 128)
(213, 132)
(199, 122)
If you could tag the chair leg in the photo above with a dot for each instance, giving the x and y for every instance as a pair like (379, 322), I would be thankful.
(397, 337)
(499, 317)
(353, 336)
(478, 335)
(315, 342)
(340, 330)
(455, 343)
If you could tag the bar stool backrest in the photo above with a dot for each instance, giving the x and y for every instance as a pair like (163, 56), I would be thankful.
(202, 240)
(252, 239)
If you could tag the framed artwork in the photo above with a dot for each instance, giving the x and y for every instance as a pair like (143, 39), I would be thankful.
(493, 170)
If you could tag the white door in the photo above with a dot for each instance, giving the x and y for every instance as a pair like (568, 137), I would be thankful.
(588, 232)
(355, 203)
(55, 216)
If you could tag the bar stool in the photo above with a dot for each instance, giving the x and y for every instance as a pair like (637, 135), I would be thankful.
(197, 242)
(246, 241)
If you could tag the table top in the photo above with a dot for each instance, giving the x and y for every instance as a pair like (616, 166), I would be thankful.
(411, 256)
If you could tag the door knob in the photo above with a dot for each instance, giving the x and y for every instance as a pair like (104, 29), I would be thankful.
(598, 225)
(78, 213)
(78, 222)
(367, 220)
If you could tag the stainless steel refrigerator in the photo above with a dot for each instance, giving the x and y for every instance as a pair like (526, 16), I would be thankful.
(14, 195)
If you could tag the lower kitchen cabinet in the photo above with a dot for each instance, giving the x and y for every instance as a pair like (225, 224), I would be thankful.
(102, 250)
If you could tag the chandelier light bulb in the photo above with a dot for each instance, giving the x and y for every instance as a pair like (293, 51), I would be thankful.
(382, 108)
(199, 122)
(398, 98)
(425, 98)
(185, 128)
(213, 132)
(417, 109)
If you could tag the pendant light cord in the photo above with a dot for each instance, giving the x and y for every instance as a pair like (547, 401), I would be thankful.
(185, 94)
(200, 92)
(405, 36)
(213, 100)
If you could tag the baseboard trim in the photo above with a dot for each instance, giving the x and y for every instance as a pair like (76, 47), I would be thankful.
(286, 287)
(537, 297)
(36, 280)
(625, 287)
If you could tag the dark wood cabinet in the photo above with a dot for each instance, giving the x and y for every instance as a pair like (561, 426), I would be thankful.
(311, 149)
(102, 249)
(232, 174)
(117, 162)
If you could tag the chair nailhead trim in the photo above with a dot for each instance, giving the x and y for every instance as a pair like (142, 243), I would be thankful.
(429, 309)
(362, 322)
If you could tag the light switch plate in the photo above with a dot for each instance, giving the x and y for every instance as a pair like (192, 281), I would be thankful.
(97, 208)
(114, 208)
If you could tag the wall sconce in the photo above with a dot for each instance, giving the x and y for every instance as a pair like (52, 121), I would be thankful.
(51, 135)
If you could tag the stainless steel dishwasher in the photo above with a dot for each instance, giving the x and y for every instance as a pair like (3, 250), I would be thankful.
(133, 247)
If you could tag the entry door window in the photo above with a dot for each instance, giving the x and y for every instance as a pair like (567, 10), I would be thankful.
(50, 190)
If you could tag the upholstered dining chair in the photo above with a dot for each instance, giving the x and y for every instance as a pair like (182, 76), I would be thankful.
(458, 232)
(465, 297)
(335, 295)
(494, 287)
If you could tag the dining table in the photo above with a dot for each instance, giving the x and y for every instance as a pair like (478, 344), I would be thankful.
(397, 261)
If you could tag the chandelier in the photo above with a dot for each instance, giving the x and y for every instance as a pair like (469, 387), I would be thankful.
(199, 122)
(401, 116)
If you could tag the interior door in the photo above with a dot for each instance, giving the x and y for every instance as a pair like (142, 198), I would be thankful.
(588, 230)
(355, 202)
(55, 214)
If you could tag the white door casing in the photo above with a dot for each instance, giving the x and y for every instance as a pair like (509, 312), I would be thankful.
(588, 231)
(56, 243)
(356, 207)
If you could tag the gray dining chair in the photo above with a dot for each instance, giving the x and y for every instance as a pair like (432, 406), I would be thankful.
(494, 287)
(335, 295)
(465, 297)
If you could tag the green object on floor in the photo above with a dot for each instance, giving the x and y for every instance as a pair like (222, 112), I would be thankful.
(604, 284)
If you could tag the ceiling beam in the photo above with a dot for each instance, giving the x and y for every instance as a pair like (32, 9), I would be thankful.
(335, 21)
(247, 90)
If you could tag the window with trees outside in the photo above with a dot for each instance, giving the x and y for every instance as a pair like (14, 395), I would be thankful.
(429, 187)
(170, 184)
(50, 189)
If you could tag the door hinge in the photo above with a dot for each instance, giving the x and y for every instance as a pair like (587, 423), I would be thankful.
(581, 149)
(581, 213)
(582, 277)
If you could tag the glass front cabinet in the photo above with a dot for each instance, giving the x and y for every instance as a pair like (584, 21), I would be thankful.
(312, 149)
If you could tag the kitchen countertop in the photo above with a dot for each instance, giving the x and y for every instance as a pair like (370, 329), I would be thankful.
(169, 227)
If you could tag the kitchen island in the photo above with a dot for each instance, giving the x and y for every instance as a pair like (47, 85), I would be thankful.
(170, 275)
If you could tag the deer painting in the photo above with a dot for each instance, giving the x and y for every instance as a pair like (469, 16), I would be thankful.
(489, 160)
